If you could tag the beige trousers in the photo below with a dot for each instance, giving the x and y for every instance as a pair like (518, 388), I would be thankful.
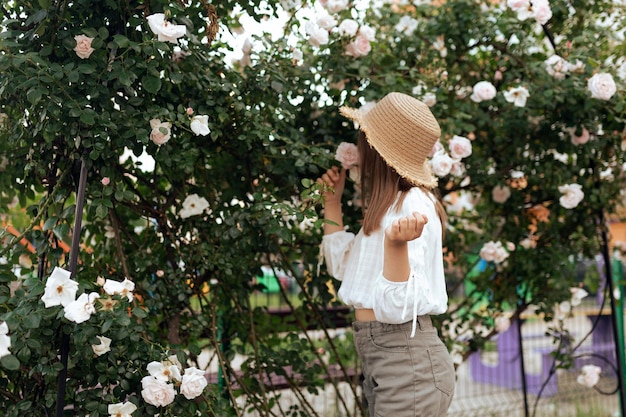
(404, 376)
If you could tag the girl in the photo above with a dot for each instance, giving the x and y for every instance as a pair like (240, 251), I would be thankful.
(392, 270)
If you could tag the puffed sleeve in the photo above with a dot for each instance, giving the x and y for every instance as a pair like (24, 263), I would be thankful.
(335, 250)
(398, 302)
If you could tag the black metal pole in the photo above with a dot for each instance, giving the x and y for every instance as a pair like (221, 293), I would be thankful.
(614, 320)
(65, 338)
(522, 365)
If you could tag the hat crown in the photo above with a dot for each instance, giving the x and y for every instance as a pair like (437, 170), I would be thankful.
(403, 131)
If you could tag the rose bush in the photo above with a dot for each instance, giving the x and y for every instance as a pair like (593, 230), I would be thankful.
(211, 150)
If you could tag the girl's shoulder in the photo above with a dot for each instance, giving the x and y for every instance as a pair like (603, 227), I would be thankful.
(417, 199)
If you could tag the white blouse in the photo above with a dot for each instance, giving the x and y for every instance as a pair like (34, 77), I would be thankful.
(357, 261)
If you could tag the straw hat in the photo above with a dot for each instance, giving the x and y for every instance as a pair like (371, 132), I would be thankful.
(403, 131)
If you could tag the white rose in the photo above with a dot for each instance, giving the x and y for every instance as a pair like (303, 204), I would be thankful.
(441, 164)
(348, 27)
(368, 31)
(500, 193)
(200, 125)
(517, 4)
(483, 90)
(589, 376)
(517, 96)
(460, 147)
(165, 31)
(335, 6)
(81, 310)
(193, 383)
(326, 21)
(577, 295)
(493, 252)
(502, 324)
(430, 99)
(83, 46)
(161, 131)
(602, 86)
(406, 25)
(528, 243)
(193, 206)
(103, 347)
(317, 35)
(572, 195)
(122, 409)
(157, 393)
(556, 67)
(542, 11)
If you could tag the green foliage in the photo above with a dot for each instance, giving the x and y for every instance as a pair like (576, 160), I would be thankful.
(273, 126)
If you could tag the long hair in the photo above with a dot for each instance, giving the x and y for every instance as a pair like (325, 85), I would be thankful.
(380, 185)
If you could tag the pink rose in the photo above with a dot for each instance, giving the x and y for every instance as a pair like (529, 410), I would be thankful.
(347, 154)
(579, 140)
(359, 47)
(161, 131)
(460, 147)
(500, 193)
(105, 181)
(83, 46)
(483, 90)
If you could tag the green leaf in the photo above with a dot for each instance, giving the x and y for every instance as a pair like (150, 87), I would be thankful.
(86, 68)
(34, 95)
(121, 41)
(10, 362)
(151, 84)
(50, 223)
(32, 321)
(140, 312)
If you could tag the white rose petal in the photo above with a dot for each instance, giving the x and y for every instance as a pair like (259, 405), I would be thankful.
(193, 206)
(157, 393)
(460, 147)
(165, 31)
(81, 310)
(517, 96)
(572, 195)
(441, 164)
(482, 91)
(103, 347)
(60, 289)
(122, 409)
(200, 125)
(193, 383)
(602, 86)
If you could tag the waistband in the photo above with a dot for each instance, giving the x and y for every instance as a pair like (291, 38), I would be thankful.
(424, 323)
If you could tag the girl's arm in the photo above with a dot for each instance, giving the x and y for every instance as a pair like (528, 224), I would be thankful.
(396, 265)
(336, 179)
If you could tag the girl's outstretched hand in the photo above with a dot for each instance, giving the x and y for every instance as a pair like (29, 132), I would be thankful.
(406, 228)
(336, 180)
